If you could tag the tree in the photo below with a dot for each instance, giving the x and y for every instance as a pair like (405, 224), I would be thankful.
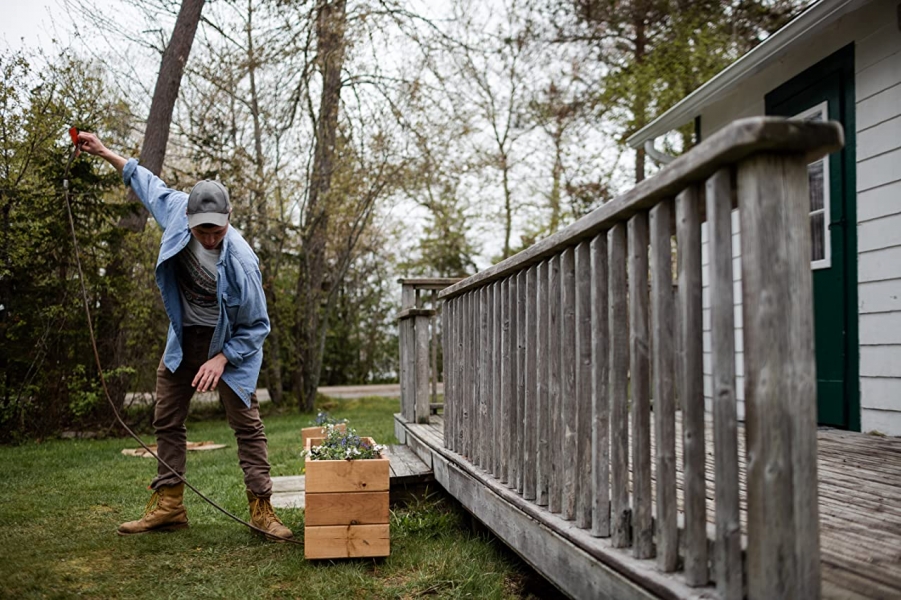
(49, 379)
(153, 151)
(492, 66)
(655, 52)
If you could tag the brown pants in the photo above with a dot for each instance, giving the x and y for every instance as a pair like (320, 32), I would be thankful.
(173, 397)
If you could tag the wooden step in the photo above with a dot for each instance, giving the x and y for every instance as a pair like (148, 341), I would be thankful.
(406, 470)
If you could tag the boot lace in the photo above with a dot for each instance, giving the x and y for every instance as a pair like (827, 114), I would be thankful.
(152, 503)
(263, 512)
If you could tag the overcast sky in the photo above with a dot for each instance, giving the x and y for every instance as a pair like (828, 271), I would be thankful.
(28, 19)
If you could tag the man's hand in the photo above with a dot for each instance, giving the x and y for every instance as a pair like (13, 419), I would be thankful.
(90, 143)
(207, 377)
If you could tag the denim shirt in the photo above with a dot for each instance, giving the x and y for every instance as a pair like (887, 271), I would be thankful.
(243, 321)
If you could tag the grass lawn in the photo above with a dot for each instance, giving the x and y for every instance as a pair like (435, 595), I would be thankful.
(61, 502)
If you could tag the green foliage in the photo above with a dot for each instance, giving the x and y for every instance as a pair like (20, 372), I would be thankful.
(343, 444)
(49, 379)
(323, 418)
(656, 52)
(445, 250)
(361, 342)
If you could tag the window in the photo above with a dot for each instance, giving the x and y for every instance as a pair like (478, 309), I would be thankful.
(818, 178)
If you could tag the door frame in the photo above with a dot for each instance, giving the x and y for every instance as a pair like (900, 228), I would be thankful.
(841, 61)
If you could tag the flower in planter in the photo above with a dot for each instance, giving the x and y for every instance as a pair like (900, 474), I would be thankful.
(323, 418)
(343, 445)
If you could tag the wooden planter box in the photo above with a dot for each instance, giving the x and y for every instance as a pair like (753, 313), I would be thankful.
(317, 432)
(346, 507)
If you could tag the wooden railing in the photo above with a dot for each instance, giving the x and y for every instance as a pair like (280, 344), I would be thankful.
(557, 358)
(419, 342)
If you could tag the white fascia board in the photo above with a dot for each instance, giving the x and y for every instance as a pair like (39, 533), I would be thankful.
(794, 33)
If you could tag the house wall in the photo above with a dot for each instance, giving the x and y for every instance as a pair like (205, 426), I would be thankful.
(876, 32)
(878, 89)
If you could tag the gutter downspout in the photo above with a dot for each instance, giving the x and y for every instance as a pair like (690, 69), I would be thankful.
(661, 158)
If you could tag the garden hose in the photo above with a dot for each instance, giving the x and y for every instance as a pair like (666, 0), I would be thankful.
(73, 133)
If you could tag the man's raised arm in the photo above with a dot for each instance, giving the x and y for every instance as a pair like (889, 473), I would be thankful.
(150, 189)
(90, 143)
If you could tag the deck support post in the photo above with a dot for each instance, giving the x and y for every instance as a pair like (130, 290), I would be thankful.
(780, 378)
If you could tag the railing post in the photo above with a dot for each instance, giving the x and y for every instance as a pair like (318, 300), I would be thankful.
(728, 560)
(620, 511)
(407, 353)
(691, 384)
(418, 341)
(780, 378)
(421, 378)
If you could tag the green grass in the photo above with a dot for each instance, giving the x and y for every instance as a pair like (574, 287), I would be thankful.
(63, 499)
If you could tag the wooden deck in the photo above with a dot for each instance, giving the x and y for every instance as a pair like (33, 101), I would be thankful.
(860, 520)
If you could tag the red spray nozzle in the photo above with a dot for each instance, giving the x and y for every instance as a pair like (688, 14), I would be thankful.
(73, 133)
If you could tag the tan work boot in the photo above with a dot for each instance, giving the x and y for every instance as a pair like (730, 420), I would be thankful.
(165, 511)
(263, 517)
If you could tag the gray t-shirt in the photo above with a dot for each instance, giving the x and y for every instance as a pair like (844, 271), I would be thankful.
(196, 276)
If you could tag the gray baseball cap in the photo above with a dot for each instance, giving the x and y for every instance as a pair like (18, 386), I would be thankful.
(208, 204)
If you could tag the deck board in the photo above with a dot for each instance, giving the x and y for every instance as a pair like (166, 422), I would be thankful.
(860, 506)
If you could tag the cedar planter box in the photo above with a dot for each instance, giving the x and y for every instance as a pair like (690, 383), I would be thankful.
(346, 507)
(317, 432)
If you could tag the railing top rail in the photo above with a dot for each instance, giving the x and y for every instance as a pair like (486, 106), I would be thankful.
(429, 283)
(728, 146)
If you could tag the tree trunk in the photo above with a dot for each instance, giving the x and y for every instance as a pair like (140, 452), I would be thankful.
(508, 204)
(641, 102)
(556, 175)
(259, 231)
(111, 336)
(331, 20)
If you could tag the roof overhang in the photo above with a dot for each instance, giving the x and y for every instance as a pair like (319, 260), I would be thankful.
(792, 35)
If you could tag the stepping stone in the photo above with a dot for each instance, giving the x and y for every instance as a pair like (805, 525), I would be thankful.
(288, 491)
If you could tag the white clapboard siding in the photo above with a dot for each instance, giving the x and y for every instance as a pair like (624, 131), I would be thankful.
(876, 234)
(876, 141)
(880, 421)
(880, 361)
(878, 108)
(881, 169)
(880, 202)
(878, 90)
(879, 392)
(879, 297)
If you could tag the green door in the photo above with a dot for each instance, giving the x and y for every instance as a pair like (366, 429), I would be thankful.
(826, 91)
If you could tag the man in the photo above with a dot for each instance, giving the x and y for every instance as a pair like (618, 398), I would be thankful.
(210, 281)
